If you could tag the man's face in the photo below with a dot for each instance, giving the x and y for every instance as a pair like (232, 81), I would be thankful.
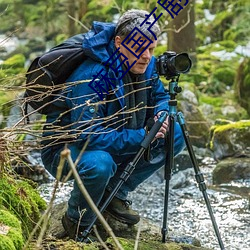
(142, 63)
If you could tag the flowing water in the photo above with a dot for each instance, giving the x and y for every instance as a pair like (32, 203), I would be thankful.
(187, 212)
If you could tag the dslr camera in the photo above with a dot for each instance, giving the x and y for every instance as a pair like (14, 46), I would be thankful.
(171, 65)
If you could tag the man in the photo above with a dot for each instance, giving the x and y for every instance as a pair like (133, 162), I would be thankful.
(111, 128)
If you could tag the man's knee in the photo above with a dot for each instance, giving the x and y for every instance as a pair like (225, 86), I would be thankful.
(97, 164)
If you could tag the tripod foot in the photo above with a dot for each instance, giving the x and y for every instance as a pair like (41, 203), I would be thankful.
(164, 232)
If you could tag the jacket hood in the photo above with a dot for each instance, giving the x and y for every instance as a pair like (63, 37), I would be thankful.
(98, 42)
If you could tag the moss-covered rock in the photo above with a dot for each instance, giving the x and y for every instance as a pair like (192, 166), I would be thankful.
(232, 139)
(231, 169)
(128, 244)
(150, 235)
(22, 200)
(10, 231)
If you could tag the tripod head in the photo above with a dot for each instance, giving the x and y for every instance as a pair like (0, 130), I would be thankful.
(174, 89)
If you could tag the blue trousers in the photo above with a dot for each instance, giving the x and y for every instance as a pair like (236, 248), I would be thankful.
(100, 170)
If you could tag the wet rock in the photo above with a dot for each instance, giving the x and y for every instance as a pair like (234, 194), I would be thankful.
(231, 139)
(181, 179)
(190, 96)
(231, 169)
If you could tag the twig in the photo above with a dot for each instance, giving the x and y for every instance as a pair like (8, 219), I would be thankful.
(77, 21)
(137, 236)
(45, 217)
(99, 238)
(66, 154)
(183, 26)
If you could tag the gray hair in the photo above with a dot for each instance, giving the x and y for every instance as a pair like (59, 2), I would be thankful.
(134, 18)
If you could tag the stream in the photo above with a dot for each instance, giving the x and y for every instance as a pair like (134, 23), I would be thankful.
(187, 212)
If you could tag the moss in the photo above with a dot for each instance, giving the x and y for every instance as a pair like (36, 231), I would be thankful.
(22, 200)
(128, 244)
(225, 75)
(9, 219)
(212, 100)
(236, 125)
(13, 239)
(6, 243)
(228, 45)
(16, 237)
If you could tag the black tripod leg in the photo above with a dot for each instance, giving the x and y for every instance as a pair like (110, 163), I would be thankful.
(168, 173)
(129, 169)
(199, 176)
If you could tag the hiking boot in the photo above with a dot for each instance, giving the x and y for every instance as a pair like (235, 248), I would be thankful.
(75, 231)
(121, 211)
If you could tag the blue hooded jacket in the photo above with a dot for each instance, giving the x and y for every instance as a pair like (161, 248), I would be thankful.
(101, 122)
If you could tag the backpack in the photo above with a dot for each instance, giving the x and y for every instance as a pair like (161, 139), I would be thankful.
(48, 73)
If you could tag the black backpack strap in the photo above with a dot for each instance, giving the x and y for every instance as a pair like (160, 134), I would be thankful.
(26, 113)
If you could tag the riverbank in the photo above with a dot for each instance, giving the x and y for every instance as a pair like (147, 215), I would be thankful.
(188, 215)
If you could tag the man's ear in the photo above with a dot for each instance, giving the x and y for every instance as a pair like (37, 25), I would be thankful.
(118, 41)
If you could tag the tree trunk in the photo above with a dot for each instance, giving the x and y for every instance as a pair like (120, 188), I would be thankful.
(181, 37)
(72, 14)
(83, 8)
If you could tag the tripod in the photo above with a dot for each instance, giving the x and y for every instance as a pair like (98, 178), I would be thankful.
(173, 90)
(169, 163)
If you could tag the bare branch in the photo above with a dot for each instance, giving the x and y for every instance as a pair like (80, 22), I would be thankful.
(66, 154)
(77, 21)
(183, 26)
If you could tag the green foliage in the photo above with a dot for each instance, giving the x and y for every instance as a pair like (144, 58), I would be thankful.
(60, 38)
(214, 73)
(229, 23)
(221, 23)
(160, 49)
(219, 102)
(224, 75)
(242, 84)
(12, 67)
(214, 101)
(16, 61)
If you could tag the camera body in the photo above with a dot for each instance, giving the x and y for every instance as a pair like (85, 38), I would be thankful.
(171, 65)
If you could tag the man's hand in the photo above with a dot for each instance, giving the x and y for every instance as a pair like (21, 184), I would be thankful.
(164, 128)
